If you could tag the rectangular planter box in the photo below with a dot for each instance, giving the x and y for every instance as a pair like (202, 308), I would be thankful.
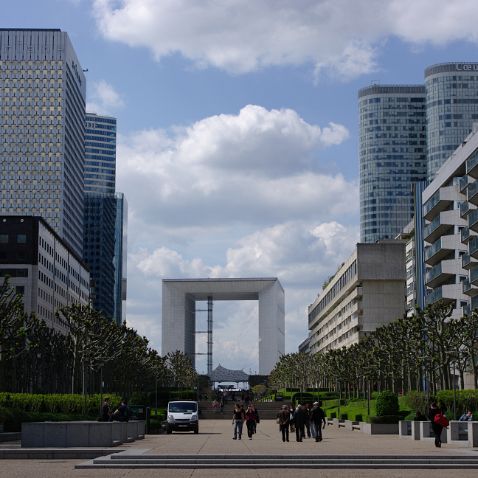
(473, 434)
(426, 432)
(457, 433)
(349, 424)
(405, 428)
(379, 428)
(79, 434)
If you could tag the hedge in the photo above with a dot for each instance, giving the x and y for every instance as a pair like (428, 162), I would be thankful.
(70, 404)
(387, 404)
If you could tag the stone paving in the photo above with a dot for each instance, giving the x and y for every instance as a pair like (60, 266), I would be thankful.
(216, 437)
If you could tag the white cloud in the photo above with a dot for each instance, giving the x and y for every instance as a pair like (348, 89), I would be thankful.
(103, 98)
(258, 167)
(342, 37)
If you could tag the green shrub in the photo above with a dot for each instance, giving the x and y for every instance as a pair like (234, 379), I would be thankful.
(302, 397)
(328, 395)
(465, 399)
(387, 403)
(385, 419)
(344, 416)
(358, 417)
(333, 415)
(55, 403)
(417, 401)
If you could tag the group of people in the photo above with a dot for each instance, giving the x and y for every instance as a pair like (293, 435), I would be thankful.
(121, 413)
(250, 415)
(306, 420)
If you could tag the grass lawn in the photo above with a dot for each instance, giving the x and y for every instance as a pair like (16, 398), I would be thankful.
(358, 407)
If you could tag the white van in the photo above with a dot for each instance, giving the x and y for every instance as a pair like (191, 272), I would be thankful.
(182, 416)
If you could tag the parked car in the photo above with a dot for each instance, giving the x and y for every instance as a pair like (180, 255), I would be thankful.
(182, 415)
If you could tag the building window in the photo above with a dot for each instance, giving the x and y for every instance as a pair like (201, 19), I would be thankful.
(3, 238)
(19, 289)
(21, 238)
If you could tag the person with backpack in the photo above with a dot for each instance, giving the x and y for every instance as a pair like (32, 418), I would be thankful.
(439, 421)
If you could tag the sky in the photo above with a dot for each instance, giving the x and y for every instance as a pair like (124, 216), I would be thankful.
(238, 134)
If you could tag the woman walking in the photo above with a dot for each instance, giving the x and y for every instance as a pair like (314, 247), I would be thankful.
(238, 420)
(436, 427)
(250, 421)
(283, 419)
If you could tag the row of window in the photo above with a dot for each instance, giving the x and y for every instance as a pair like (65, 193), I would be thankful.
(13, 238)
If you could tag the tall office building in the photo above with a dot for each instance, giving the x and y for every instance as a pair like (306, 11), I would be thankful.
(42, 120)
(452, 108)
(100, 209)
(392, 156)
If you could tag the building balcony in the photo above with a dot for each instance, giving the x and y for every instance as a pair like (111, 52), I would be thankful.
(466, 235)
(440, 225)
(447, 293)
(474, 276)
(467, 262)
(472, 166)
(469, 289)
(473, 220)
(466, 208)
(472, 193)
(440, 201)
(473, 247)
(464, 182)
(440, 273)
(440, 249)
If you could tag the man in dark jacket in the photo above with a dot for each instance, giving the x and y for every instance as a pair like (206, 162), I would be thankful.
(317, 418)
(299, 422)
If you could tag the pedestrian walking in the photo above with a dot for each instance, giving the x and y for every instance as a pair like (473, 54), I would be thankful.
(256, 411)
(317, 420)
(283, 420)
(238, 417)
(437, 427)
(299, 423)
(307, 410)
(250, 420)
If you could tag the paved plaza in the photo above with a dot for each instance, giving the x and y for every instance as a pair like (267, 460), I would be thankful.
(215, 437)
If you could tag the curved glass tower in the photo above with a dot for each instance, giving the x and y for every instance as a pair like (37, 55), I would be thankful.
(452, 108)
(392, 153)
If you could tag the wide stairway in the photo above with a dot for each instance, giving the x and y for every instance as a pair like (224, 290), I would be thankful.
(131, 461)
(267, 410)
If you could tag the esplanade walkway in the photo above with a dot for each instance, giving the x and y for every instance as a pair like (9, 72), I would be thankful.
(213, 453)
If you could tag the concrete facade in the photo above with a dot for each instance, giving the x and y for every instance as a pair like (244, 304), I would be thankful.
(41, 267)
(179, 310)
(367, 292)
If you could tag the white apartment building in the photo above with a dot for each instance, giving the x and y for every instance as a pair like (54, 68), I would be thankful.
(367, 292)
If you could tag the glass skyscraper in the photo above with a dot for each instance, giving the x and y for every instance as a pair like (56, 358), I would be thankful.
(452, 108)
(100, 209)
(120, 259)
(392, 153)
(42, 122)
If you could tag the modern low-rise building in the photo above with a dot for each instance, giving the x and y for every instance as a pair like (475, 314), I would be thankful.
(368, 291)
(42, 267)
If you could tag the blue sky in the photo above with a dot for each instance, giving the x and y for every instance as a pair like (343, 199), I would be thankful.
(237, 124)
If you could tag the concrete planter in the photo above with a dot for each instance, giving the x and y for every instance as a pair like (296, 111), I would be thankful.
(457, 433)
(473, 434)
(379, 428)
(426, 432)
(350, 424)
(405, 428)
(80, 434)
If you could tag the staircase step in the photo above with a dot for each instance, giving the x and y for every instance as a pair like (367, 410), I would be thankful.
(130, 461)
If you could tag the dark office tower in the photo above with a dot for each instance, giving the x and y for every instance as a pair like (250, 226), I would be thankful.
(100, 210)
(392, 154)
(42, 118)
(120, 260)
(452, 108)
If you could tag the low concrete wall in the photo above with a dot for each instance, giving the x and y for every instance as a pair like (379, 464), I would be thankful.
(426, 432)
(80, 434)
(379, 428)
(405, 428)
(473, 434)
(457, 433)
